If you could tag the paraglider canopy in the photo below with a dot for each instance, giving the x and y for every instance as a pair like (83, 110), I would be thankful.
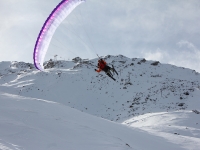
(62, 10)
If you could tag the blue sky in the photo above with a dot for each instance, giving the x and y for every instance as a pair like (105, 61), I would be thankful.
(167, 30)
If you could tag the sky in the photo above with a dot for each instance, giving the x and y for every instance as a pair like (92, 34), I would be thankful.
(167, 31)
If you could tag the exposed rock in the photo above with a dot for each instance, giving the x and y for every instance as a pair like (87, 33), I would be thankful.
(155, 63)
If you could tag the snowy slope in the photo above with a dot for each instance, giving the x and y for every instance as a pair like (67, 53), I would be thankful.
(140, 88)
(145, 93)
(28, 123)
(180, 127)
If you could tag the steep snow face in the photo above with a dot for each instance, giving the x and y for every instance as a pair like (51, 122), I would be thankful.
(141, 87)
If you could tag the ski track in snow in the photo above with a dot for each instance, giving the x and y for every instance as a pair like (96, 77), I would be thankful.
(172, 126)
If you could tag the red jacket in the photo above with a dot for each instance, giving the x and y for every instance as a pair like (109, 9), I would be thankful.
(101, 65)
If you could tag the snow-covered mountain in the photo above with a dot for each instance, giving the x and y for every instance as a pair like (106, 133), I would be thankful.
(160, 99)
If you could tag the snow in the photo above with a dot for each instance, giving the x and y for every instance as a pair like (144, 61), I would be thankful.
(31, 123)
(180, 127)
(70, 106)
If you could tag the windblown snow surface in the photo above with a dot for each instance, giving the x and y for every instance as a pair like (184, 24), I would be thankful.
(70, 106)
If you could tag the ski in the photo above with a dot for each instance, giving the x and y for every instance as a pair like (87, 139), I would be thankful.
(114, 70)
(110, 75)
(112, 78)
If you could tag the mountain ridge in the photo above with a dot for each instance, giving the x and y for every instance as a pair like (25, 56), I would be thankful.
(142, 86)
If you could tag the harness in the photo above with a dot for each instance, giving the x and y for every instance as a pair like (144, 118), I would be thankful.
(102, 64)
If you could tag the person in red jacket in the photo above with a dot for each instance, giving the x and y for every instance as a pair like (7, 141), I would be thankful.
(102, 65)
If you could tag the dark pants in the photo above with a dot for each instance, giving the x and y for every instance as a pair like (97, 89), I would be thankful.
(107, 71)
(106, 68)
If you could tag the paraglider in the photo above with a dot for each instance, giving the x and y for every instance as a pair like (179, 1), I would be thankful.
(62, 10)
(102, 65)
